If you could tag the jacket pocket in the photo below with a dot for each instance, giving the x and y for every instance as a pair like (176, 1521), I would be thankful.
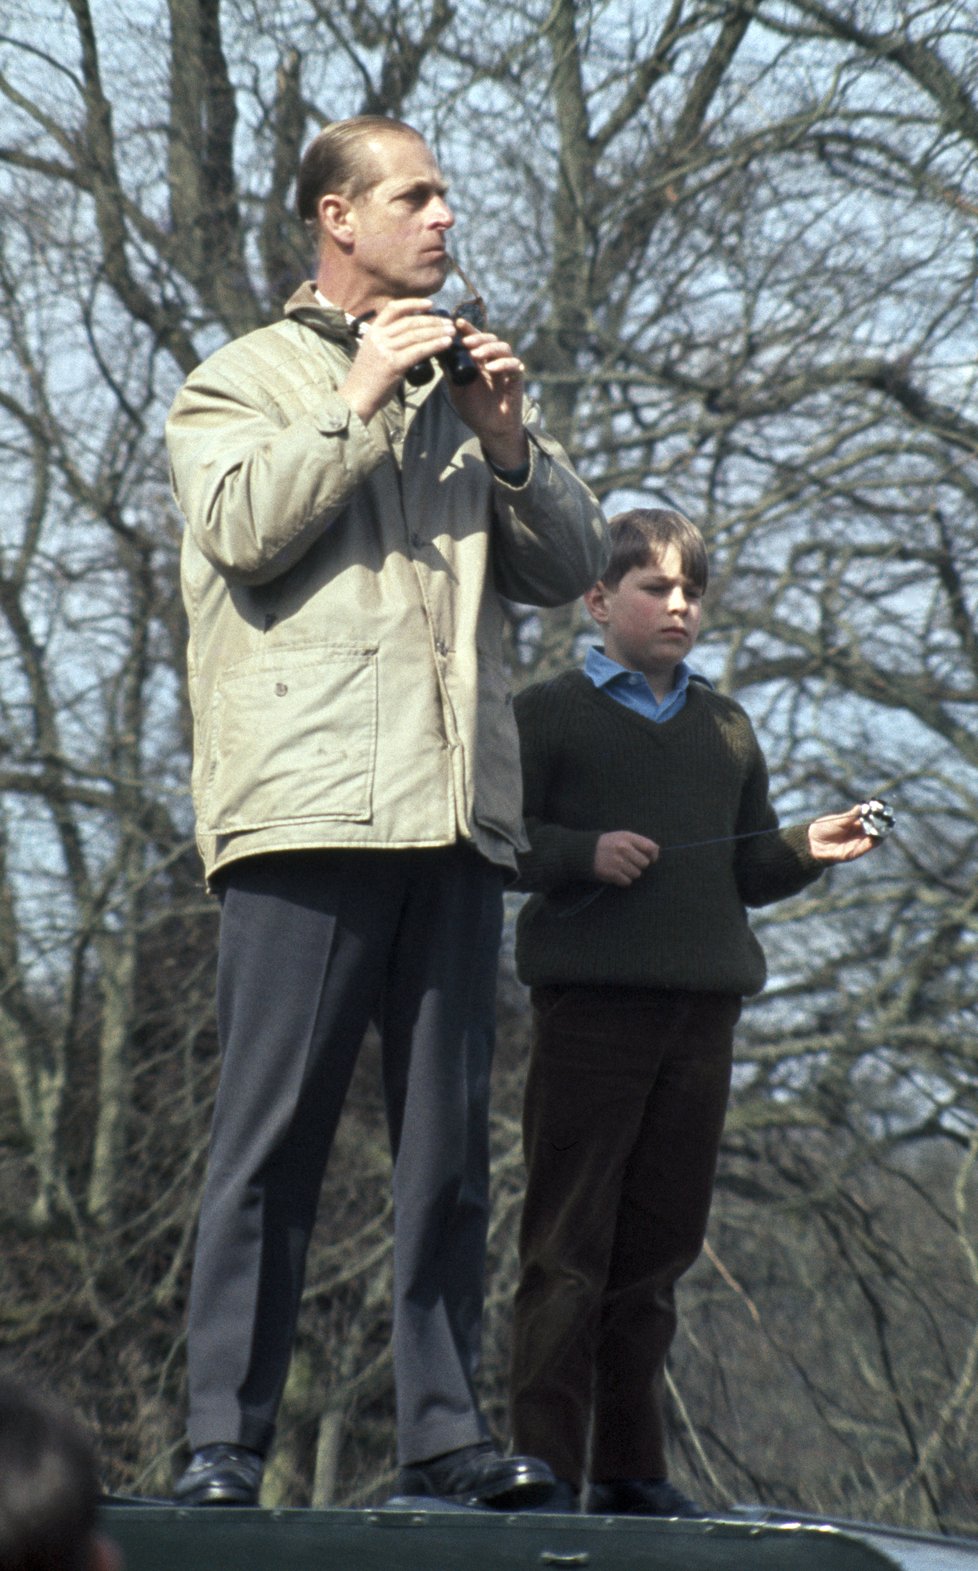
(293, 736)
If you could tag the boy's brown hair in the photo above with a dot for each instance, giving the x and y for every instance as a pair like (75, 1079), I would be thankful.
(643, 533)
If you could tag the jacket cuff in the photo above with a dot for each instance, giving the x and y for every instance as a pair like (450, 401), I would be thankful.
(513, 479)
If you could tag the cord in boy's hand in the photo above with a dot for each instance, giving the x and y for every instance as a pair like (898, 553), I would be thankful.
(841, 837)
(621, 856)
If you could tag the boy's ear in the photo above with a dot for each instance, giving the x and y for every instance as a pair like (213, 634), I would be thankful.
(596, 600)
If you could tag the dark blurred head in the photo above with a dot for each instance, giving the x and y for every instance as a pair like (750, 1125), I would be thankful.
(48, 1486)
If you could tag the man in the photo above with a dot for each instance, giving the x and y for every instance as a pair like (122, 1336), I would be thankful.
(356, 781)
(48, 1490)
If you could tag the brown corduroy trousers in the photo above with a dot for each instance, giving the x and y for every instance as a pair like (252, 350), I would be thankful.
(625, 1100)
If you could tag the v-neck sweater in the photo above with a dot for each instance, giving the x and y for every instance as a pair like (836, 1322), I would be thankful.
(690, 783)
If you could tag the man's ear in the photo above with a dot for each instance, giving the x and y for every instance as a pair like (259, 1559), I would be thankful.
(596, 600)
(334, 214)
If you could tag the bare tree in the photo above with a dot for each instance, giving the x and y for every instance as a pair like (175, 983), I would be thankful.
(736, 246)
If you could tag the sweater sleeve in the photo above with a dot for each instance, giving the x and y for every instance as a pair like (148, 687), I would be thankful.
(769, 866)
(557, 855)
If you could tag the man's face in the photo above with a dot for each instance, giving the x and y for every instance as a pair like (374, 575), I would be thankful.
(399, 225)
(651, 620)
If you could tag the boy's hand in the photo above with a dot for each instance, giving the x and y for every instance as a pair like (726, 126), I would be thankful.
(621, 856)
(840, 837)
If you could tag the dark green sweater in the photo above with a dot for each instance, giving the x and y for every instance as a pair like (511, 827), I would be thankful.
(589, 766)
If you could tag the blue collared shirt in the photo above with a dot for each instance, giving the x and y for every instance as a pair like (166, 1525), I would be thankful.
(631, 688)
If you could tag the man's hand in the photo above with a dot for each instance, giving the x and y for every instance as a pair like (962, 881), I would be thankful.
(840, 837)
(621, 856)
(400, 336)
(492, 404)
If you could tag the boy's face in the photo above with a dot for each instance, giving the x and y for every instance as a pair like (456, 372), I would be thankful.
(651, 620)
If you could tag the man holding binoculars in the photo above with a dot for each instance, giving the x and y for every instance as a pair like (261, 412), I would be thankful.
(352, 524)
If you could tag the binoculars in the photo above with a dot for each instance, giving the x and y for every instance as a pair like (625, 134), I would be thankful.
(456, 362)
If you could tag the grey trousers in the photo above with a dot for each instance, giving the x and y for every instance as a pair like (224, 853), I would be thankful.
(312, 946)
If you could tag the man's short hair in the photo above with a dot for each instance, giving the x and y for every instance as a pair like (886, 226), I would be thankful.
(336, 160)
(643, 533)
(49, 1487)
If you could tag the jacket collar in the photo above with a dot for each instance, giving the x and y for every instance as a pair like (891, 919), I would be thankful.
(328, 321)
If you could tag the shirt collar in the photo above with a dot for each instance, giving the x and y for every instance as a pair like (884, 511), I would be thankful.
(603, 670)
(331, 305)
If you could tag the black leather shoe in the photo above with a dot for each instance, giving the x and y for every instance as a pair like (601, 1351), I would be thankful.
(221, 1475)
(563, 1500)
(640, 1497)
(478, 1476)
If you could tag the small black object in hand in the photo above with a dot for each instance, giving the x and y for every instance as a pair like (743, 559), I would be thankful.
(876, 818)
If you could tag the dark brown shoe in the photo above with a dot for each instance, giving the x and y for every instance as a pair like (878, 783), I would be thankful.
(640, 1497)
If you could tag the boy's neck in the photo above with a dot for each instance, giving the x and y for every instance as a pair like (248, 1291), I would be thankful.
(661, 679)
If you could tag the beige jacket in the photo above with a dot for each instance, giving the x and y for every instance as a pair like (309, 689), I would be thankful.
(343, 587)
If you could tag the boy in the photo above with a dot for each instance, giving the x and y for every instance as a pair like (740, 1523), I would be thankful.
(638, 952)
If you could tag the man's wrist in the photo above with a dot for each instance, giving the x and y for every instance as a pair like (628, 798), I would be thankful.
(512, 467)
